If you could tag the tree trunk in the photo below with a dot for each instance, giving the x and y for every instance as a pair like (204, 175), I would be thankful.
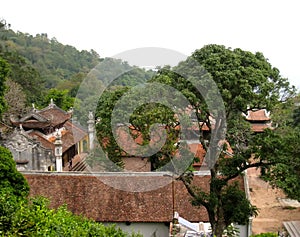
(219, 229)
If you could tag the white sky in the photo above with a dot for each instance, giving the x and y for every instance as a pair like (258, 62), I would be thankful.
(113, 26)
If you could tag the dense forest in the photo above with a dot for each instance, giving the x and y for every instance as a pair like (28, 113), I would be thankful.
(55, 62)
(43, 68)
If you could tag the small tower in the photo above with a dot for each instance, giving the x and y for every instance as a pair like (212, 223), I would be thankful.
(58, 151)
(91, 130)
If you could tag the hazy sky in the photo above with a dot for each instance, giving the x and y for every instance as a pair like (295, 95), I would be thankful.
(111, 27)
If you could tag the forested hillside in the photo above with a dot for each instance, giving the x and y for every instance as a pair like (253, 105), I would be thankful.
(43, 68)
(54, 61)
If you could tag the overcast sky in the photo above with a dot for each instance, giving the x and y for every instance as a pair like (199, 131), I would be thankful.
(111, 27)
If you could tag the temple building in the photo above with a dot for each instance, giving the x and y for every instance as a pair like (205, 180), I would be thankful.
(259, 120)
(47, 139)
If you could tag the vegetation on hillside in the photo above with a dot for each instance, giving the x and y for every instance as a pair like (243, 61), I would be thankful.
(39, 64)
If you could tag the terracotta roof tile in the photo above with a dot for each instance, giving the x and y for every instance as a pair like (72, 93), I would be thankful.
(90, 196)
(41, 138)
(258, 115)
(260, 127)
(70, 136)
(55, 115)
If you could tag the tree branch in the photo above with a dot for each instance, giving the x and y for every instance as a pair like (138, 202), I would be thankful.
(257, 164)
(192, 192)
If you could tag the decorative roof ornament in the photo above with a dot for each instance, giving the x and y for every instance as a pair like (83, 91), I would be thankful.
(33, 107)
(21, 127)
(91, 116)
(70, 111)
(57, 134)
(51, 105)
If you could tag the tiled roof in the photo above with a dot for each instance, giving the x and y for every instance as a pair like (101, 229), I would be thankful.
(73, 135)
(260, 127)
(55, 114)
(31, 120)
(42, 139)
(49, 116)
(200, 153)
(70, 136)
(54, 117)
(258, 115)
(90, 196)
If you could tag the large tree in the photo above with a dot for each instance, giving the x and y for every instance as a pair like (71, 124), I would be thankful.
(118, 103)
(245, 81)
(220, 84)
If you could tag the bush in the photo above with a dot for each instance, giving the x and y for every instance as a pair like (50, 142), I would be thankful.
(265, 235)
(35, 218)
(10, 177)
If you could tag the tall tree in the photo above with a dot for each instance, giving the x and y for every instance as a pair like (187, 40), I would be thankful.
(118, 103)
(220, 84)
(246, 81)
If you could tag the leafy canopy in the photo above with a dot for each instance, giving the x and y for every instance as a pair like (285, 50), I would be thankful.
(246, 81)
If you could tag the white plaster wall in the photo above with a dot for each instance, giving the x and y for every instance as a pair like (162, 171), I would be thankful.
(146, 229)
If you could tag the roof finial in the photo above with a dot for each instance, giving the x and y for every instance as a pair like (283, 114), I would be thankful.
(51, 103)
(58, 133)
(91, 116)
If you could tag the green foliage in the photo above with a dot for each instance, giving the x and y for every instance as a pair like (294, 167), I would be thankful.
(37, 219)
(104, 129)
(237, 208)
(245, 80)
(4, 70)
(10, 178)
(20, 217)
(54, 61)
(60, 97)
(232, 231)
(38, 63)
(108, 74)
(10, 205)
(265, 235)
(25, 75)
(115, 72)
(282, 148)
(13, 189)
(141, 132)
